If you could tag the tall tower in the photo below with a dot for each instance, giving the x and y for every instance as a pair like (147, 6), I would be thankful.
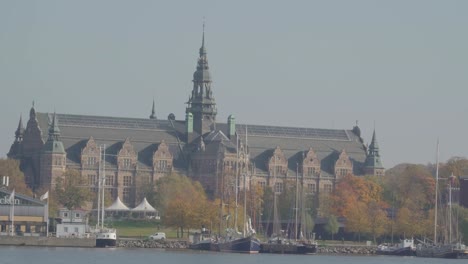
(53, 156)
(31, 150)
(373, 164)
(201, 102)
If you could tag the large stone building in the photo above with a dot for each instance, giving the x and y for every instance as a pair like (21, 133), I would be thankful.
(139, 151)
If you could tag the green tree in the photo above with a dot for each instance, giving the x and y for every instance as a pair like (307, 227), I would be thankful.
(70, 190)
(145, 188)
(332, 225)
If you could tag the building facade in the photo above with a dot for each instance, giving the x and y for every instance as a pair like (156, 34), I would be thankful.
(26, 217)
(139, 151)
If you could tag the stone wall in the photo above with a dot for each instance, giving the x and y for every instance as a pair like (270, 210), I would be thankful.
(47, 241)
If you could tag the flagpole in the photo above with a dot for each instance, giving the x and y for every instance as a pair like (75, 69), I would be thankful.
(12, 201)
(47, 217)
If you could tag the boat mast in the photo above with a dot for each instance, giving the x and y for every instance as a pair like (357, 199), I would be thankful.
(236, 182)
(102, 185)
(275, 209)
(296, 202)
(436, 193)
(450, 209)
(99, 190)
(246, 162)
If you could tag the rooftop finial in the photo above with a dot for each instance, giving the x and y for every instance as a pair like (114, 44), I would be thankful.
(203, 37)
(202, 49)
(153, 111)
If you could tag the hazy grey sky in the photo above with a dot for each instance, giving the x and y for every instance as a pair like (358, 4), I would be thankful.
(320, 64)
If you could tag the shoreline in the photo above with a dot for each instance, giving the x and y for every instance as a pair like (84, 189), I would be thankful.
(331, 249)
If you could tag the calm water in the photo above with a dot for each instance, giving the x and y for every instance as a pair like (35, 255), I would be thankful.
(42, 255)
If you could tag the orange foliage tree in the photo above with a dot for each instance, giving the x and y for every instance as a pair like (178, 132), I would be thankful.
(359, 200)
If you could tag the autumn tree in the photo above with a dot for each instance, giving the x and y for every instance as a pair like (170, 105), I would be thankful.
(359, 200)
(377, 219)
(410, 190)
(183, 203)
(11, 168)
(357, 220)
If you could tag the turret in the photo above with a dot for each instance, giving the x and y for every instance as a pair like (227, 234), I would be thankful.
(231, 126)
(53, 156)
(15, 149)
(373, 164)
(201, 101)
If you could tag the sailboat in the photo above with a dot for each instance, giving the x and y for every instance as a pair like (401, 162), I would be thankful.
(234, 241)
(246, 242)
(450, 249)
(105, 237)
(278, 244)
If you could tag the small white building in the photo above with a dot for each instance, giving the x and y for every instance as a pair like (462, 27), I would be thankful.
(74, 223)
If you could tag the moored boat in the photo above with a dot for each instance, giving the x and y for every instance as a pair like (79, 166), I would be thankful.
(106, 237)
(455, 251)
(288, 247)
(405, 248)
(249, 244)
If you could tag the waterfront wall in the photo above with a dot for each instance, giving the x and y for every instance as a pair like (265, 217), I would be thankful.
(46, 241)
(322, 249)
(128, 243)
(347, 249)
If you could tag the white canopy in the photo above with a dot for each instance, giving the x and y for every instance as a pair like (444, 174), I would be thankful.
(117, 206)
(144, 206)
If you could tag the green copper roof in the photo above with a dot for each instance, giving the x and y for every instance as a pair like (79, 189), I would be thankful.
(53, 144)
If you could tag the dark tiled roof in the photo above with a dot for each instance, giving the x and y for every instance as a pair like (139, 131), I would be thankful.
(146, 134)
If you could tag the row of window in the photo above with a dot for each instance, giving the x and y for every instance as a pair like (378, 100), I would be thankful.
(311, 187)
(160, 165)
(109, 181)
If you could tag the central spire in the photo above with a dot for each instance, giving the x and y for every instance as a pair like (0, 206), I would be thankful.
(201, 102)
(202, 48)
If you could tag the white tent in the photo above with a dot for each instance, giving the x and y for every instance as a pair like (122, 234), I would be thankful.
(117, 206)
(144, 206)
(145, 210)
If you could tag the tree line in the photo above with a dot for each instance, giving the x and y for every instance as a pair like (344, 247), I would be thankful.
(399, 204)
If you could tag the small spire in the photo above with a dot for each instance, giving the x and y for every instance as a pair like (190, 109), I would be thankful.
(153, 112)
(203, 49)
(374, 144)
(203, 37)
(20, 130)
(54, 129)
(32, 112)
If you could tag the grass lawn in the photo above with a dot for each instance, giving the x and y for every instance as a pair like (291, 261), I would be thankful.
(140, 228)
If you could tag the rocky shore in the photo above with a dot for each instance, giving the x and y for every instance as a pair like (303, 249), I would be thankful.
(163, 244)
(347, 250)
(171, 244)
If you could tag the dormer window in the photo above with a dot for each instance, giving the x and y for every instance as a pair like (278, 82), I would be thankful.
(91, 161)
(126, 163)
